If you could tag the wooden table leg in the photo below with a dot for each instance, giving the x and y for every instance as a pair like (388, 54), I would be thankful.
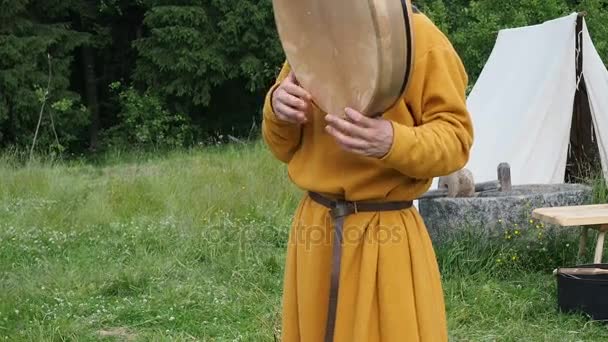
(582, 246)
(599, 247)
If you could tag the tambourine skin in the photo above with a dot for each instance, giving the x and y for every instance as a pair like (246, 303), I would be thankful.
(348, 53)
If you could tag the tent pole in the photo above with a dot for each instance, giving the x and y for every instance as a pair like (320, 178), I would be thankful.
(576, 137)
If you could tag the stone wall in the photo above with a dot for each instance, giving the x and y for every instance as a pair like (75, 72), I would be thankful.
(445, 217)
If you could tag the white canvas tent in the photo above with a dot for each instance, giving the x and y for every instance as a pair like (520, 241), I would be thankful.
(522, 102)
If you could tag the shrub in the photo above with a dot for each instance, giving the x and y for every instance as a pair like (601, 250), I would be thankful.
(146, 123)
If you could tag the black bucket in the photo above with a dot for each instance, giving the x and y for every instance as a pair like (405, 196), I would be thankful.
(587, 294)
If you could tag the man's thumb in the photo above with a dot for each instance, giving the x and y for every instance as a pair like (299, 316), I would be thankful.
(292, 78)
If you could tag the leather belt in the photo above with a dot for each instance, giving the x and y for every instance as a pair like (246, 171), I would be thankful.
(339, 209)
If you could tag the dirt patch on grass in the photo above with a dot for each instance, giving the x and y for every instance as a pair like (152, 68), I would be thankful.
(122, 333)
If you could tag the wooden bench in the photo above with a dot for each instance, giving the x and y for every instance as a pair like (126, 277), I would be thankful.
(586, 216)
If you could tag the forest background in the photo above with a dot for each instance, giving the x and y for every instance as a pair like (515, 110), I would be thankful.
(98, 75)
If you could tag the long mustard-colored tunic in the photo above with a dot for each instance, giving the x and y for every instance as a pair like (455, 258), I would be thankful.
(390, 286)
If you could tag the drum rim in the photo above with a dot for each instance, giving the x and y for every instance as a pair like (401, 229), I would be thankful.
(408, 14)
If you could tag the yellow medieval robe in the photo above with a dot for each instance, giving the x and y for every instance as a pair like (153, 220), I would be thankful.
(390, 285)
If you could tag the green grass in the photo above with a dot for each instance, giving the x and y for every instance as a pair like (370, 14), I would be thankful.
(190, 246)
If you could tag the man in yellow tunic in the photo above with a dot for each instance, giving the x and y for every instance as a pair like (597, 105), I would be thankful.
(389, 286)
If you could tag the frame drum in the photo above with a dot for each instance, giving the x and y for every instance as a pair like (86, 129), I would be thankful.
(348, 53)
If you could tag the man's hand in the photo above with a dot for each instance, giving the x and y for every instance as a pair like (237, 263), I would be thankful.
(291, 103)
(360, 134)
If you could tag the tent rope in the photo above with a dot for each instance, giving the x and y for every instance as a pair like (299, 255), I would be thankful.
(579, 48)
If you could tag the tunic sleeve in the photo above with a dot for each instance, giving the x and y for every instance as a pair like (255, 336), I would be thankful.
(282, 138)
(440, 141)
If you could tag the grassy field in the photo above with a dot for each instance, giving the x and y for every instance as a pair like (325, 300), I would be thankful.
(189, 246)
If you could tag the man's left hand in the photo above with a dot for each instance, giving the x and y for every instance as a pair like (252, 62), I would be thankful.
(360, 134)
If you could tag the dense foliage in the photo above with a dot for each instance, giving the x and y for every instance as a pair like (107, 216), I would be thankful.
(94, 74)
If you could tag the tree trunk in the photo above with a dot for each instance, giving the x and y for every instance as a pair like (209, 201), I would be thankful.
(90, 78)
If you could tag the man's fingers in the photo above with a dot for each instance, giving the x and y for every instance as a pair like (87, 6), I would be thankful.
(286, 110)
(346, 141)
(293, 101)
(297, 91)
(358, 118)
(292, 77)
(347, 128)
(290, 114)
(288, 119)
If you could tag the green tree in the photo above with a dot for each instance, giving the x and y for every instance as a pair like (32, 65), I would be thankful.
(106, 55)
(597, 21)
(473, 25)
(34, 46)
(185, 65)
(212, 56)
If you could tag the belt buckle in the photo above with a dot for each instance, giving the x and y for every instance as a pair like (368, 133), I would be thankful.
(341, 208)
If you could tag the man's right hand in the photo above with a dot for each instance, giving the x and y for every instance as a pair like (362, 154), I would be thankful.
(291, 103)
